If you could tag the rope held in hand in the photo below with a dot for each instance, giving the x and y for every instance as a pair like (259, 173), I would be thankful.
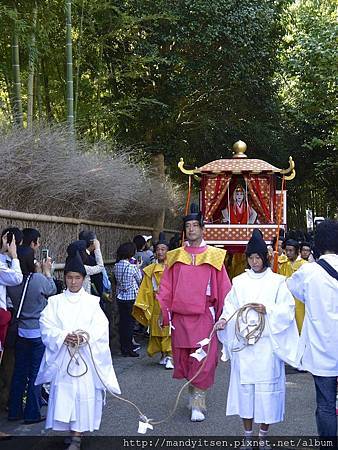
(83, 339)
(254, 334)
(74, 353)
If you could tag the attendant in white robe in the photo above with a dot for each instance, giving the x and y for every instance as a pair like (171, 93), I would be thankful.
(316, 285)
(77, 391)
(257, 380)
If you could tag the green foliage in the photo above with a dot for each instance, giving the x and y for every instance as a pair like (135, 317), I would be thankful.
(209, 67)
(309, 94)
(189, 78)
(169, 75)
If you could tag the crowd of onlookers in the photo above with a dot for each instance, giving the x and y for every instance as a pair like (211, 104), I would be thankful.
(25, 286)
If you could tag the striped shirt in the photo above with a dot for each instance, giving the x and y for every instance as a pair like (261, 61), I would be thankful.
(128, 279)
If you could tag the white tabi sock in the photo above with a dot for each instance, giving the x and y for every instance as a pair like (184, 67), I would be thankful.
(247, 440)
(263, 434)
(197, 415)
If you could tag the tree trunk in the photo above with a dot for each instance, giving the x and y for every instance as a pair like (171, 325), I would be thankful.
(69, 51)
(8, 98)
(49, 112)
(98, 95)
(158, 169)
(38, 94)
(79, 51)
(31, 67)
(17, 101)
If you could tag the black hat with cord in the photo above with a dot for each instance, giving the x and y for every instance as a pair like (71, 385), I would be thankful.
(195, 214)
(161, 240)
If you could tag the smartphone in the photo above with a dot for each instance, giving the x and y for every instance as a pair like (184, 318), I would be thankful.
(44, 254)
(139, 260)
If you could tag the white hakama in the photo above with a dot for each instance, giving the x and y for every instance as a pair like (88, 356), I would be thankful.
(262, 402)
(75, 403)
(84, 413)
(257, 379)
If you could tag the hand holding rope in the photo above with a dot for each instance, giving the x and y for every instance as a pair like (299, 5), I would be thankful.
(241, 314)
(74, 341)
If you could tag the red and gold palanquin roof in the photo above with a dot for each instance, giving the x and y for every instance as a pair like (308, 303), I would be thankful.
(237, 166)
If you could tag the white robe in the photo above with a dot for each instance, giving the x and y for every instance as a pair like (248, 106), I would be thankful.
(318, 344)
(75, 403)
(257, 380)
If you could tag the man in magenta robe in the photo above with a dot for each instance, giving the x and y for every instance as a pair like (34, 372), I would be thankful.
(191, 295)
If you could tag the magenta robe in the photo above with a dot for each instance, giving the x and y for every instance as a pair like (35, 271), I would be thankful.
(185, 296)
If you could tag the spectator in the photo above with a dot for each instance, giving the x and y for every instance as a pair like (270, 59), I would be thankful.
(18, 236)
(97, 278)
(143, 255)
(13, 231)
(32, 293)
(10, 275)
(128, 279)
(149, 243)
(31, 238)
(316, 285)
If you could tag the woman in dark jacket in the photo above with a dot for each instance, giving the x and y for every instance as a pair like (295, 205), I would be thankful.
(29, 348)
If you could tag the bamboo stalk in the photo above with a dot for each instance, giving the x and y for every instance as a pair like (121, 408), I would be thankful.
(31, 68)
(17, 101)
(38, 94)
(69, 53)
(77, 85)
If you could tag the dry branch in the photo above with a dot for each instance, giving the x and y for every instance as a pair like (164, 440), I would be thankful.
(45, 171)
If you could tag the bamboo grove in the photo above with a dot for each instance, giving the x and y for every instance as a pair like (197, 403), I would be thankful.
(172, 78)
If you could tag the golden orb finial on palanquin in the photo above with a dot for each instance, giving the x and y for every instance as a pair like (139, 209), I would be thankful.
(239, 149)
